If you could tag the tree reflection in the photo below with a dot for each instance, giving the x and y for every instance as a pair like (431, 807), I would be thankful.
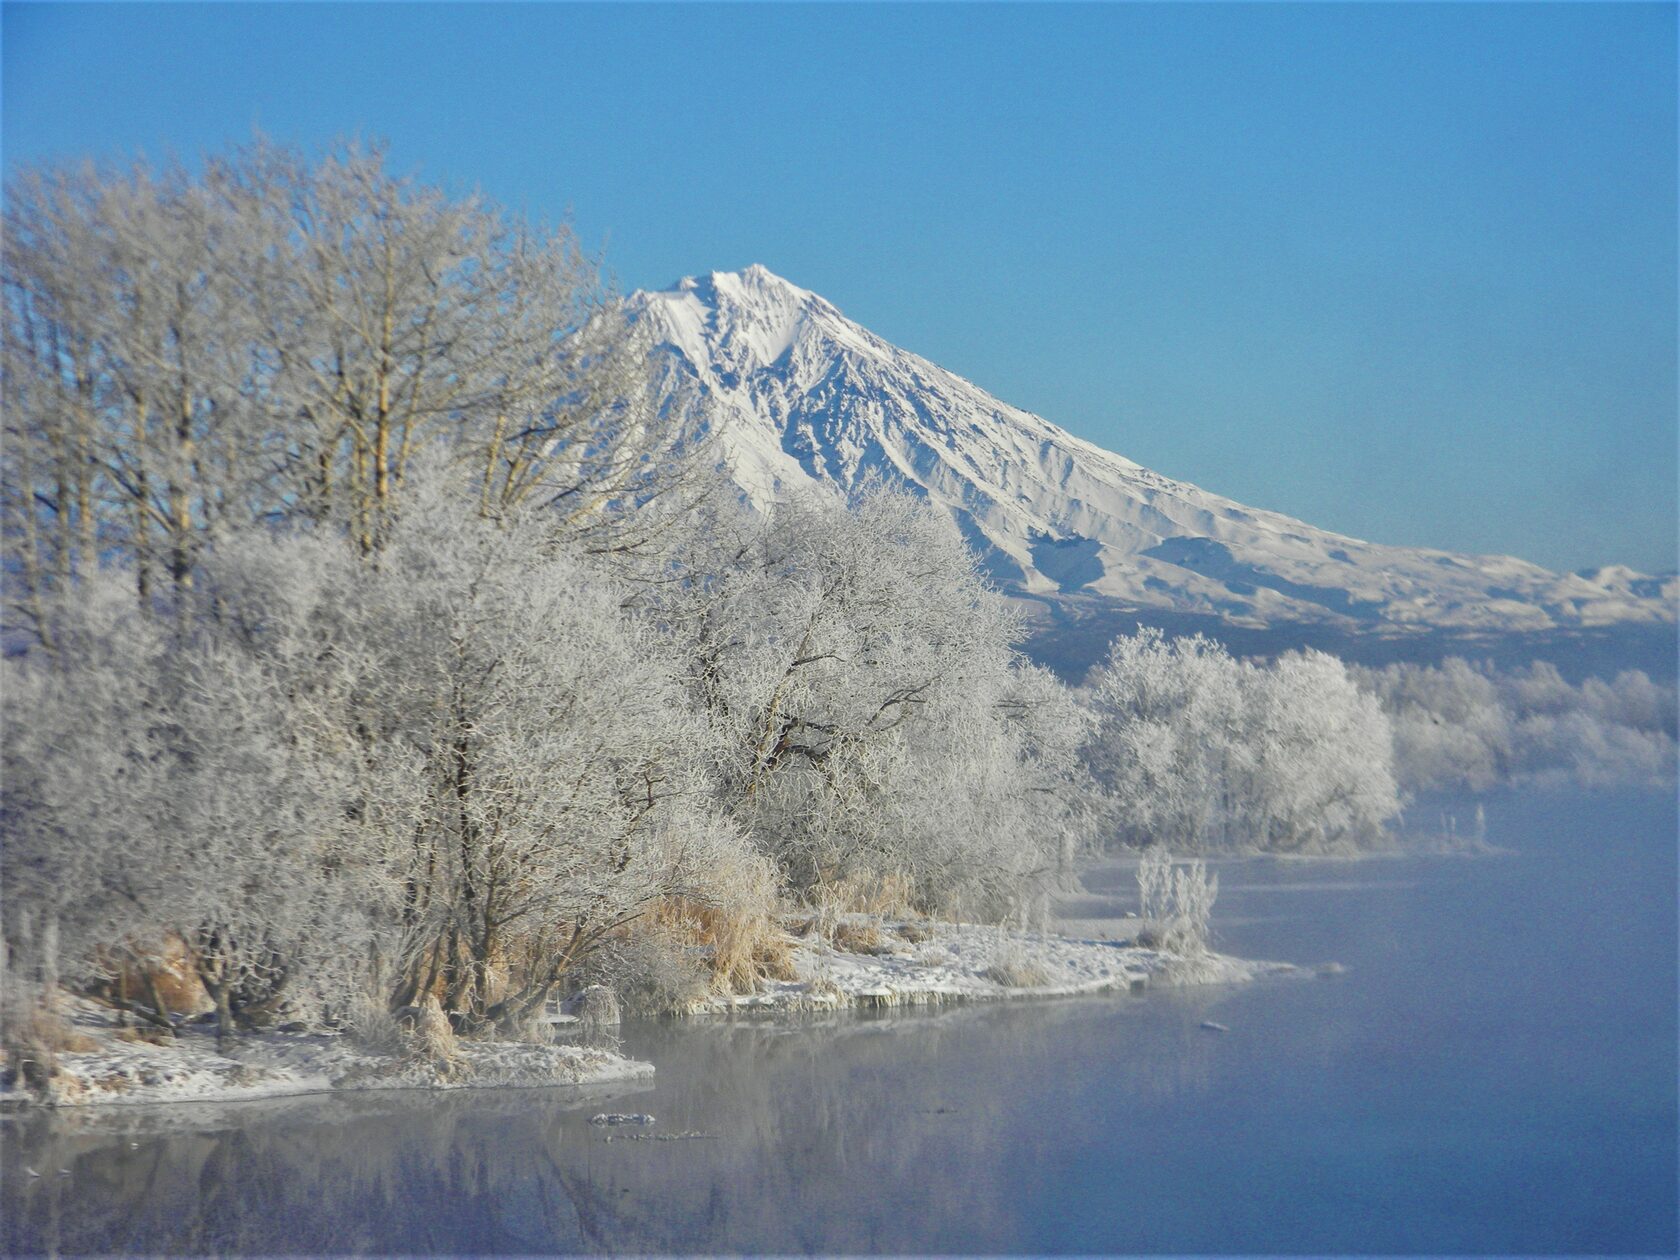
(912, 1131)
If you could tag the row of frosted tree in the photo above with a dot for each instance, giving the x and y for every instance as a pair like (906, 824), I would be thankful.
(370, 637)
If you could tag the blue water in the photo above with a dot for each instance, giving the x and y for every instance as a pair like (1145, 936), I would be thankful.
(1494, 1073)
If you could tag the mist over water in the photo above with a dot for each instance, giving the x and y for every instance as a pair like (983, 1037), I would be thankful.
(1493, 1073)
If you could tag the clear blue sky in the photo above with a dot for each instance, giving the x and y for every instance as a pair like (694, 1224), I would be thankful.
(1408, 272)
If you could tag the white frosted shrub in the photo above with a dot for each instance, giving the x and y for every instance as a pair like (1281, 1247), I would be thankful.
(1194, 892)
(1154, 878)
(1178, 900)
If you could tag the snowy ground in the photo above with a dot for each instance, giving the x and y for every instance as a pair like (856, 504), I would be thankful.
(879, 963)
(117, 1069)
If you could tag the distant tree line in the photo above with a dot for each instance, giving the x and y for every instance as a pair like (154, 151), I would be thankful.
(1472, 727)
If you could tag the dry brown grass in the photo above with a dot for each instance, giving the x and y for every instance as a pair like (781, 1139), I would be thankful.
(55, 1033)
(775, 958)
(32, 1039)
(168, 965)
(1013, 973)
(147, 1033)
(736, 924)
(744, 942)
(853, 937)
(177, 982)
(882, 895)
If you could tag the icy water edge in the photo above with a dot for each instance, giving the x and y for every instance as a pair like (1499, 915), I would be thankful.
(1495, 1073)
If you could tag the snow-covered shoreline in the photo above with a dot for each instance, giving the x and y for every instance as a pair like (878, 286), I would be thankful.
(911, 963)
(110, 1068)
(872, 963)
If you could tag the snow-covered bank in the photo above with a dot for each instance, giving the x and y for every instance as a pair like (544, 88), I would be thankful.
(875, 963)
(108, 1065)
(868, 963)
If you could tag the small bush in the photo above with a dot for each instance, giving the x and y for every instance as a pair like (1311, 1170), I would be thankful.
(1177, 901)
(1011, 967)
(176, 980)
(876, 894)
(914, 932)
(434, 1035)
(735, 924)
(653, 972)
(33, 1038)
(933, 954)
(597, 1008)
(373, 1026)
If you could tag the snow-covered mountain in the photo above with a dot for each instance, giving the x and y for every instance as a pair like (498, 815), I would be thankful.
(798, 395)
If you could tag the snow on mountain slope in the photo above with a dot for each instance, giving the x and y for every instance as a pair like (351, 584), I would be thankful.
(798, 396)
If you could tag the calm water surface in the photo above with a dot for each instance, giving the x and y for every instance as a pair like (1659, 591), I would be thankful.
(1494, 1073)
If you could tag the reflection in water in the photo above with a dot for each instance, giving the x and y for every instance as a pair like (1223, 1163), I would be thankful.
(1494, 1073)
(829, 1133)
(321, 1174)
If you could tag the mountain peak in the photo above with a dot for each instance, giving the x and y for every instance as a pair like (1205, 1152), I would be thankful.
(735, 322)
(755, 281)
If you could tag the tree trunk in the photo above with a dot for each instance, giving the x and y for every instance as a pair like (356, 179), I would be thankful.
(224, 1014)
(163, 1019)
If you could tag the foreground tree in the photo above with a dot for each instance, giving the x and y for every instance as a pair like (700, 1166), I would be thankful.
(157, 792)
(551, 787)
(854, 670)
(456, 769)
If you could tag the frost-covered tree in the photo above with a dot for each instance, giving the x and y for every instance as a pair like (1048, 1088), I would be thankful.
(1177, 901)
(1198, 750)
(1320, 775)
(129, 419)
(187, 354)
(551, 783)
(871, 717)
(1170, 749)
(156, 790)
(453, 768)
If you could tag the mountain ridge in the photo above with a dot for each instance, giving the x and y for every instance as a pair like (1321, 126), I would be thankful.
(798, 396)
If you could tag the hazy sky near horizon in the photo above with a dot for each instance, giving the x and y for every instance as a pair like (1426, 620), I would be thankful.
(1403, 271)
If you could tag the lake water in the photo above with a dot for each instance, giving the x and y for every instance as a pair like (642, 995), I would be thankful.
(1494, 1073)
